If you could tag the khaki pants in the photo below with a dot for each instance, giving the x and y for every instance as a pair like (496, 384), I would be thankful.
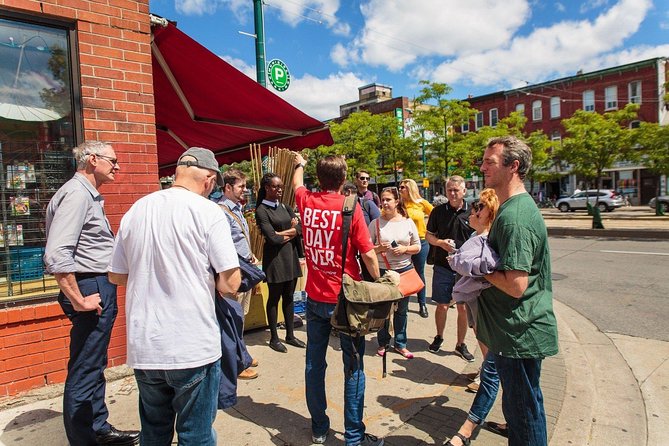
(244, 300)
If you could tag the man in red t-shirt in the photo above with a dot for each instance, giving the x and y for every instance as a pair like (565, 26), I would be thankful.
(321, 215)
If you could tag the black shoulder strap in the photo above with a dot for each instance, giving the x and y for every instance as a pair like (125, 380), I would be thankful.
(347, 215)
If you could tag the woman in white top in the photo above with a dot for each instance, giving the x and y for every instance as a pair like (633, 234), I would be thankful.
(395, 239)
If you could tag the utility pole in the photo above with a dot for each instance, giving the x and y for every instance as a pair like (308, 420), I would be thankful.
(259, 23)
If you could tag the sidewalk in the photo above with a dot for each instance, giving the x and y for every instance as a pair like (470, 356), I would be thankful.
(600, 390)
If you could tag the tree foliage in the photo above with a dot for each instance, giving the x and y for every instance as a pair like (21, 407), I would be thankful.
(374, 143)
(596, 141)
(436, 116)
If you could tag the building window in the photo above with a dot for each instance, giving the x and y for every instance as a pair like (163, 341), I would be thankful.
(635, 92)
(589, 100)
(37, 133)
(555, 107)
(520, 108)
(464, 128)
(635, 124)
(555, 136)
(536, 111)
(611, 97)
(493, 117)
(479, 120)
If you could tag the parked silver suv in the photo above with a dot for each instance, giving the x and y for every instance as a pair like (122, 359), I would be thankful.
(608, 200)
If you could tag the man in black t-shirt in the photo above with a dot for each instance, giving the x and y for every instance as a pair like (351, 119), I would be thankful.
(447, 229)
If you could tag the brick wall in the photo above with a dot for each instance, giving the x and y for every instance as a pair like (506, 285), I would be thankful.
(117, 98)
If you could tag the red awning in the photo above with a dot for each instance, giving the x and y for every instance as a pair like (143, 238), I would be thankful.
(203, 101)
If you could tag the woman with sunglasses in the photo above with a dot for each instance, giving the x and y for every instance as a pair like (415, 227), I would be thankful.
(280, 257)
(395, 239)
(472, 261)
(417, 209)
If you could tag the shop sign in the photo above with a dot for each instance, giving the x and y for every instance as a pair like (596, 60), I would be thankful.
(279, 76)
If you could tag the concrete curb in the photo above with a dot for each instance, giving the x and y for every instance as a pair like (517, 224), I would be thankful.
(642, 233)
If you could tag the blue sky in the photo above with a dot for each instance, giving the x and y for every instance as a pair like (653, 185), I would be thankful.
(332, 47)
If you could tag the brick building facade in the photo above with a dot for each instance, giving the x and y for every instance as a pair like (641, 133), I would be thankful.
(110, 99)
(545, 105)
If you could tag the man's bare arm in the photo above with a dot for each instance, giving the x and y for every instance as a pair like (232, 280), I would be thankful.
(512, 282)
(118, 279)
(372, 263)
(67, 282)
(228, 281)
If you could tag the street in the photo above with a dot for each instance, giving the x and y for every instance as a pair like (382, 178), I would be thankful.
(620, 285)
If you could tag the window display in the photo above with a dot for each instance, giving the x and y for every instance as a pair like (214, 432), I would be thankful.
(36, 137)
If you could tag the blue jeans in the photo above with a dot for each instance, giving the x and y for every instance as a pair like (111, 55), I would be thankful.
(522, 400)
(399, 326)
(188, 396)
(318, 337)
(487, 392)
(84, 410)
(419, 263)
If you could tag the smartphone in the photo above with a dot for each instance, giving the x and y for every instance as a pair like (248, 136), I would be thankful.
(394, 244)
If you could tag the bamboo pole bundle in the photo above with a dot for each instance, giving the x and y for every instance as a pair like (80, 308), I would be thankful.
(282, 163)
(255, 235)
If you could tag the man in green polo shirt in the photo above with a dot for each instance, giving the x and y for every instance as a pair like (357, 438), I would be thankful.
(516, 319)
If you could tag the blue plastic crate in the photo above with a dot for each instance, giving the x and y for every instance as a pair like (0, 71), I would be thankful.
(26, 263)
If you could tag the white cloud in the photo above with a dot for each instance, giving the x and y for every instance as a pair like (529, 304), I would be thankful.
(319, 98)
(399, 33)
(547, 52)
(592, 4)
(340, 55)
(560, 7)
(195, 7)
(247, 69)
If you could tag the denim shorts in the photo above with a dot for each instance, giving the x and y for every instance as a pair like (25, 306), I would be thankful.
(443, 280)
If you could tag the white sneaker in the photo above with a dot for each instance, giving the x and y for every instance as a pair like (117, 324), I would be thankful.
(319, 439)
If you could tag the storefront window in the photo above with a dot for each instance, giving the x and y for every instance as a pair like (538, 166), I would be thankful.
(37, 133)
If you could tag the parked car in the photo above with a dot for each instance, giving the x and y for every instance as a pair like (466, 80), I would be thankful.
(607, 200)
(664, 201)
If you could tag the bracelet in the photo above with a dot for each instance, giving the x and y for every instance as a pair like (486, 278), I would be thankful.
(299, 165)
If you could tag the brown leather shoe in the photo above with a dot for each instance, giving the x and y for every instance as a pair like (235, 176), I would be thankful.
(254, 363)
(248, 374)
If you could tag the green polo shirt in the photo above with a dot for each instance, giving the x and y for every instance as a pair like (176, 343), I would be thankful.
(525, 327)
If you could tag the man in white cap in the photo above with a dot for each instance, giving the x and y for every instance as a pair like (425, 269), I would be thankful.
(173, 252)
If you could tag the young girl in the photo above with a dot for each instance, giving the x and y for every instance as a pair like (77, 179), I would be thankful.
(395, 239)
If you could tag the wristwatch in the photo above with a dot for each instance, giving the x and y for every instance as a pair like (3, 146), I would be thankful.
(300, 165)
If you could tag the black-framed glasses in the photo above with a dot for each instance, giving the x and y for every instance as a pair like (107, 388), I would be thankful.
(113, 161)
(478, 206)
(389, 189)
(363, 178)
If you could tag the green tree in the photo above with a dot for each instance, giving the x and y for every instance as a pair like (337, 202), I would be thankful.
(471, 146)
(596, 141)
(654, 141)
(371, 142)
(436, 116)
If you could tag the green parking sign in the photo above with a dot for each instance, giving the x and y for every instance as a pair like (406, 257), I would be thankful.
(279, 76)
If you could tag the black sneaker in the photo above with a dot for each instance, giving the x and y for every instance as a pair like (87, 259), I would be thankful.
(462, 351)
(371, 440)
(436, 344)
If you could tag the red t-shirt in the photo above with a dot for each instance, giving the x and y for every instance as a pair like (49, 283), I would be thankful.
(321, 217)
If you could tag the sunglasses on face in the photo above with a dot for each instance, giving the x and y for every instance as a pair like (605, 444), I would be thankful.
(478, 206)
(363, 178)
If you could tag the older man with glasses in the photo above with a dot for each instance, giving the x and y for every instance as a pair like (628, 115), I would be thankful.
(362, 183)
(78, 250)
